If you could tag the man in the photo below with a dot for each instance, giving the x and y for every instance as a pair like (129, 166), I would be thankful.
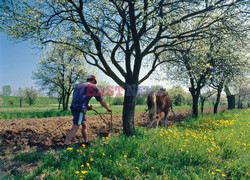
(83, 92)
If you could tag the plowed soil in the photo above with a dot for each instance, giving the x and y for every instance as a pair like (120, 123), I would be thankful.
(21, 135)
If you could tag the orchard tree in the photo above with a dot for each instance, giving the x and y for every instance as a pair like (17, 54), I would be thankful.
(20, 95)
(116, 36)
(204, 96)
(177, 95)
(6, 90)
(31, 95)
(60, 70)
(231, 64)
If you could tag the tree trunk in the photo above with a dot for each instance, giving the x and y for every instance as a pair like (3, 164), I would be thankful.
(129, 109)
(195, 95)
(21, 99)
(231, 101)
(67, 102)
(195, 105)
(202, 104)
(217, 100)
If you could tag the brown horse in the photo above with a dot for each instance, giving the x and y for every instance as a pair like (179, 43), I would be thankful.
(159, 102)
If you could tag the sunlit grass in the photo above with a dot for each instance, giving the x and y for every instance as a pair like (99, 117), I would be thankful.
(210, 147)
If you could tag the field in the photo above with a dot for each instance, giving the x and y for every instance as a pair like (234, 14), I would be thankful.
(211, 147)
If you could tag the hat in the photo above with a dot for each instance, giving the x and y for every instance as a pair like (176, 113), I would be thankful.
(92, 77)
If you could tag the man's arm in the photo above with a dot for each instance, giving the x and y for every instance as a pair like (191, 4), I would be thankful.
(104, 104)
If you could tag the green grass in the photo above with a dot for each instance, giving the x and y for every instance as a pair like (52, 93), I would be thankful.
(36, 112)
(209, 147)
(42, 102)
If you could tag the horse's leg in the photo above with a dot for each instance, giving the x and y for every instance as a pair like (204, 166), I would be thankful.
(159, 118)
(165, 117)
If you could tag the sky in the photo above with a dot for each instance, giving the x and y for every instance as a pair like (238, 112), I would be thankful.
(19, 60)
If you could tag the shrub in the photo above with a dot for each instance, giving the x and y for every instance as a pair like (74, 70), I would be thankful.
(11, 101)
(117, 101)
(140, 100)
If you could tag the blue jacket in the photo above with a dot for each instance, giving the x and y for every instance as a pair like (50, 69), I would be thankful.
(83, 92)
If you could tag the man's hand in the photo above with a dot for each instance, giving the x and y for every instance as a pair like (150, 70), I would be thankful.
(89, 107)
(104, 104)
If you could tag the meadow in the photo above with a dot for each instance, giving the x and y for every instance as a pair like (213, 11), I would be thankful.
(214, 146)
(48, 107)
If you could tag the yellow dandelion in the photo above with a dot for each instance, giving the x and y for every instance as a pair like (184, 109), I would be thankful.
(119, 164)
(125, 156)
(217, 170)
(82, 165)
(136, 168)
(91, 159)
(105, 178)
(87, 164)
(213, 173)
(77, 172)
(103, 154)
(69, 148)
(148, 176)
(152, 168)
(201, 168)
(84, 172)
(224, 175)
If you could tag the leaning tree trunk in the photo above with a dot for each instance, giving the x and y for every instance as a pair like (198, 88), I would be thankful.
(217, 101)
(129, 109)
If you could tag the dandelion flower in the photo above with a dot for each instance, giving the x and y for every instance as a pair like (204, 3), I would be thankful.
(69, 148)
(84, 172)
(224, 175)
(82, 165)
(136, 168)
(103, 154)
(91, 159)
(148, 176)
(87, 164)
(217, 170)
(119, 164)
(152, 168)
(125, 156)
(77, 172)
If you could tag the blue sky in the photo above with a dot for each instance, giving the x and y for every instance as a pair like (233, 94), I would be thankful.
(17, 62)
